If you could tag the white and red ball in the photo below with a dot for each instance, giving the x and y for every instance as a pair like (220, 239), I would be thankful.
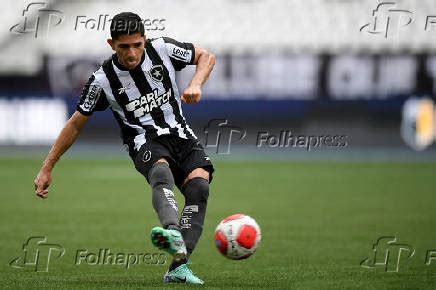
(237, 236)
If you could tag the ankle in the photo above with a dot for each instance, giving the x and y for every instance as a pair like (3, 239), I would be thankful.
(173, 227)
(176, 264)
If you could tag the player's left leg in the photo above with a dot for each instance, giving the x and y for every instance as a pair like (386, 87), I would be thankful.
(195, 189)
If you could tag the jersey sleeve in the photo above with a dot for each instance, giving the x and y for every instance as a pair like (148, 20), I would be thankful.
(181, 53)
(92, 98)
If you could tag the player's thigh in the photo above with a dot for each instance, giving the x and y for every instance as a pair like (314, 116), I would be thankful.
(162, 160)
(149, 154)
(197, 164)
(197, 172)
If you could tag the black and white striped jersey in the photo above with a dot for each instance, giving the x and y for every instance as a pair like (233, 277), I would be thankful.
(145, 101)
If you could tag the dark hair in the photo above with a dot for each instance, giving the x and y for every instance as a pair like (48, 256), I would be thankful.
(126, 23)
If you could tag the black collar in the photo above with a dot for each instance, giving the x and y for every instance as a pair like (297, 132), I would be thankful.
(122, 67)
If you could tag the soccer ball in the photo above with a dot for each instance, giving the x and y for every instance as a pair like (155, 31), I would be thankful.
(237, 236)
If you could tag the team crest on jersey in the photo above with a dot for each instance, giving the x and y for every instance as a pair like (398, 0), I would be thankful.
(156, 72)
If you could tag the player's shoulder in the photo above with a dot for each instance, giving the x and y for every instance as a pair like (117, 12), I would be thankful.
(99, 74)
(157, 42)
(159, 45)
(162, 41)
(182, 51)
(98, 77)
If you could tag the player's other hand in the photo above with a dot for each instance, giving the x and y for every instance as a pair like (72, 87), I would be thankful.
(42, 182)
(191, 94)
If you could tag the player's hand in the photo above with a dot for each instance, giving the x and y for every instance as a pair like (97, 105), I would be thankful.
(191, 95)
(42, 182)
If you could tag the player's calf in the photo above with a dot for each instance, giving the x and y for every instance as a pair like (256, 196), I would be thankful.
(196, 192)
(164, 203)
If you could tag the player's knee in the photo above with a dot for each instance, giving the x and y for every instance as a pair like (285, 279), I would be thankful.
(198, 172)
(160, 173)
(196, 189)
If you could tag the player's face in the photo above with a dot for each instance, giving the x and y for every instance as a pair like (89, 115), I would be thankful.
(129, 49)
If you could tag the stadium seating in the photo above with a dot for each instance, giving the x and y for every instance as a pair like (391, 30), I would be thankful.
(250, 26)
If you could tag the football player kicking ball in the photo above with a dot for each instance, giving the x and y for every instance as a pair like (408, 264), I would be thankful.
(138, 84)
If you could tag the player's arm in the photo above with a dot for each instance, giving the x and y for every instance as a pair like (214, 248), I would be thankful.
(92, 99)
(65, 139)
(204, 60)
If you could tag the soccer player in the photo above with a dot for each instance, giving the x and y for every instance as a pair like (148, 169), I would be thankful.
(138, 84)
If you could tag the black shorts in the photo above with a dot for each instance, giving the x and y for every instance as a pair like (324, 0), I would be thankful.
(183, 156)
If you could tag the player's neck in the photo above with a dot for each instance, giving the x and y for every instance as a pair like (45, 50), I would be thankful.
(121, 66)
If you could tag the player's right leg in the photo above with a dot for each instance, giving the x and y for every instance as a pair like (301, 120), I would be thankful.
(167, 237)
(152, 161)
(161, 181)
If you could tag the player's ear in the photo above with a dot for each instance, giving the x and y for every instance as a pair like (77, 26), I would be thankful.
(111, 43)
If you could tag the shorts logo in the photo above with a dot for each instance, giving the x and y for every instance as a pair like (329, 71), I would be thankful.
(156, 73)
(147, 156)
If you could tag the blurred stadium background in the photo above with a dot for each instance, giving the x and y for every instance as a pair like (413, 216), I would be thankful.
(281, 64)
(363, 69)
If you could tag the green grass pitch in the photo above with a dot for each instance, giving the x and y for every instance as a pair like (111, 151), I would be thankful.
(318, 220)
